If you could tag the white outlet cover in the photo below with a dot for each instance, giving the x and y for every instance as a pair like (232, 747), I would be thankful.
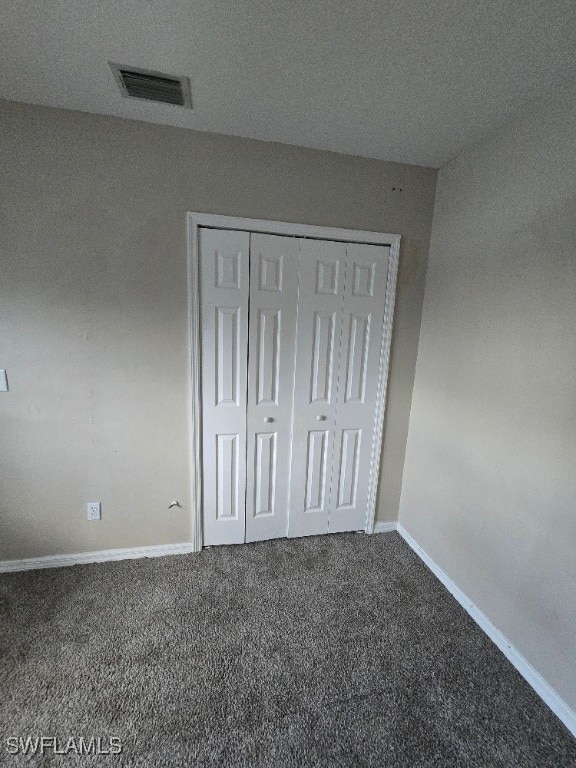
(3, 381)
(93, 510)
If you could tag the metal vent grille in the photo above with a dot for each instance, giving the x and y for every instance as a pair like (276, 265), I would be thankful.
(152, 86)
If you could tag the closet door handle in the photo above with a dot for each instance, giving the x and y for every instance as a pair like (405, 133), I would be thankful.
(320, 418)
(268, 419)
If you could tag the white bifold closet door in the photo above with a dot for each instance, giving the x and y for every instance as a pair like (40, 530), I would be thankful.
(271, 341)
(362, 328)
(340, 319)
(291, 332)
(322, 274)
(225, 288)
(249, 297)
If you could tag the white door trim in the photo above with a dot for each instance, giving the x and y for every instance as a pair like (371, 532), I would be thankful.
(197, 220)
(389, 303)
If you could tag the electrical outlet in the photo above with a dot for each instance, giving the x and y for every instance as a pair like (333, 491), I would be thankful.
(93, 510)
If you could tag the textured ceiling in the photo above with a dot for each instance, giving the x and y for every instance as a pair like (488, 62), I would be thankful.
(410, 81)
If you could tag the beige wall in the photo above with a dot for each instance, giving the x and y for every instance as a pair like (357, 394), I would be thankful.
(94, 319)
(490, 478)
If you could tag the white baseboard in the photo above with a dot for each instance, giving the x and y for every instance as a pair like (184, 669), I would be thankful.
(560, 708)
(385, 527)
(548, 695)
(57, 561)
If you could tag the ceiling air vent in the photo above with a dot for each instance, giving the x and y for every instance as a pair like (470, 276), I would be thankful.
(152, 86)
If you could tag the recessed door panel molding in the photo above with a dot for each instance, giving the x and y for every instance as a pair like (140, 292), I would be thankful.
(348, 470)
(358, 385)
(227, 346)
(265, 467)
(316, 460)
(272, 337)
(271, 268)
(357, 360)
(290, 330)
(322, 357)
(228, 270)
(224, 282)
(268, 352)
(327, 277)
(363, 278)
(227, 480)
(322, 266)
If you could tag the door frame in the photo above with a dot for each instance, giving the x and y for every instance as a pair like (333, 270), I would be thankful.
(217, 221)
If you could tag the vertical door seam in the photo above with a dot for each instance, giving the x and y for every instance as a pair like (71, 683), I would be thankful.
(247, 380)
(339, 369)
(294, 389)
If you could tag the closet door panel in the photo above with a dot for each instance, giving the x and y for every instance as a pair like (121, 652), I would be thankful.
(322, 271)
(362, 318)
(224, 290)
(272, 335)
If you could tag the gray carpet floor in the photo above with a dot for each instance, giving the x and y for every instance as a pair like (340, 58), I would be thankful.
(328, 651)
